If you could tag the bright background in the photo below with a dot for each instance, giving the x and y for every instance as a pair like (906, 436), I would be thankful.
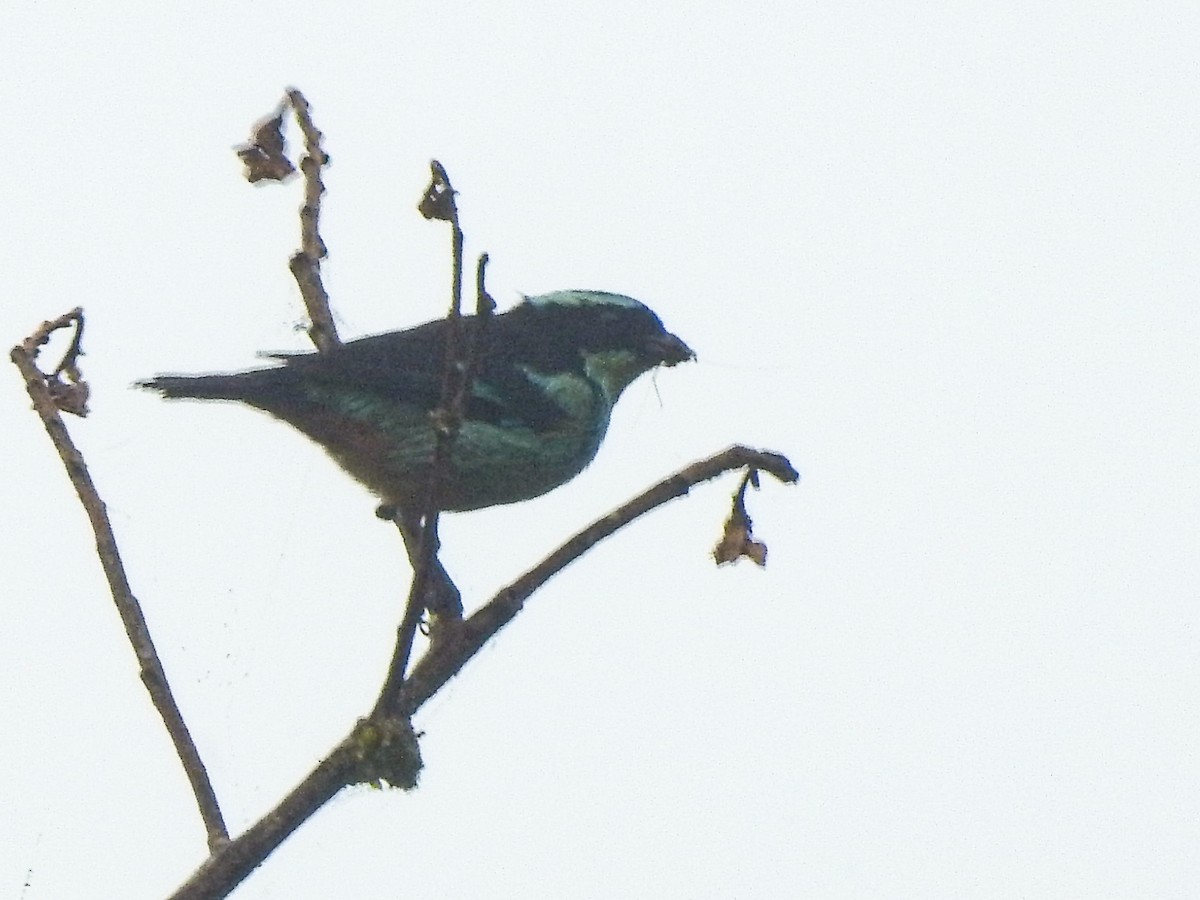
(946, 259)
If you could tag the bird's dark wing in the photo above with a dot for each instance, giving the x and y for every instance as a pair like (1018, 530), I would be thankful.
(409, 366)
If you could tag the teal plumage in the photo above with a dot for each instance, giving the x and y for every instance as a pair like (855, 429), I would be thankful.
(547, 376)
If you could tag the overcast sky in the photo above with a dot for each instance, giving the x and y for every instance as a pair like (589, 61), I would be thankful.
(945, 259)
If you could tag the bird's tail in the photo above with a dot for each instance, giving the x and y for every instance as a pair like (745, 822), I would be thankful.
(242, 386)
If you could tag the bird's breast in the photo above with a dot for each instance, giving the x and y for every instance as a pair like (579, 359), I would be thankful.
(389, 446)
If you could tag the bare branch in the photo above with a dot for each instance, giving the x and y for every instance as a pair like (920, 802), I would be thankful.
(306, 263)
(444, 660)
(227, 866)
(265, 158)
(431, 587)
(47, 401)
(382, 747)
(373, 752)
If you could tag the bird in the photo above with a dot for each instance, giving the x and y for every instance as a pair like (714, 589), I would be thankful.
(546, 375)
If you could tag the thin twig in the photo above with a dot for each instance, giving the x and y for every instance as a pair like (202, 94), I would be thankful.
(306, 263)
(150, 667)
(265, 158)
(436, 203)
(440, 594)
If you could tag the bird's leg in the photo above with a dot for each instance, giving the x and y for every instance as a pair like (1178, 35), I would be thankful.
(441, 597)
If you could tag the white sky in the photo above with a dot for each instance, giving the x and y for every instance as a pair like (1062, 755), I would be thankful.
(944, 259)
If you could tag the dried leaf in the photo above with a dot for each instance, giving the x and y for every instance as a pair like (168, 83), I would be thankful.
(265, 157)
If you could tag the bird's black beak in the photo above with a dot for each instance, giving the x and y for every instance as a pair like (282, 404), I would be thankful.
(670, 350)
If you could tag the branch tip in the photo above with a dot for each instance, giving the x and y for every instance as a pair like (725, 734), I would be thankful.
(438, 200)
(65, 386)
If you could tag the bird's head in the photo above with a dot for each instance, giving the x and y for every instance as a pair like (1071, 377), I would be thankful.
(610, 338)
